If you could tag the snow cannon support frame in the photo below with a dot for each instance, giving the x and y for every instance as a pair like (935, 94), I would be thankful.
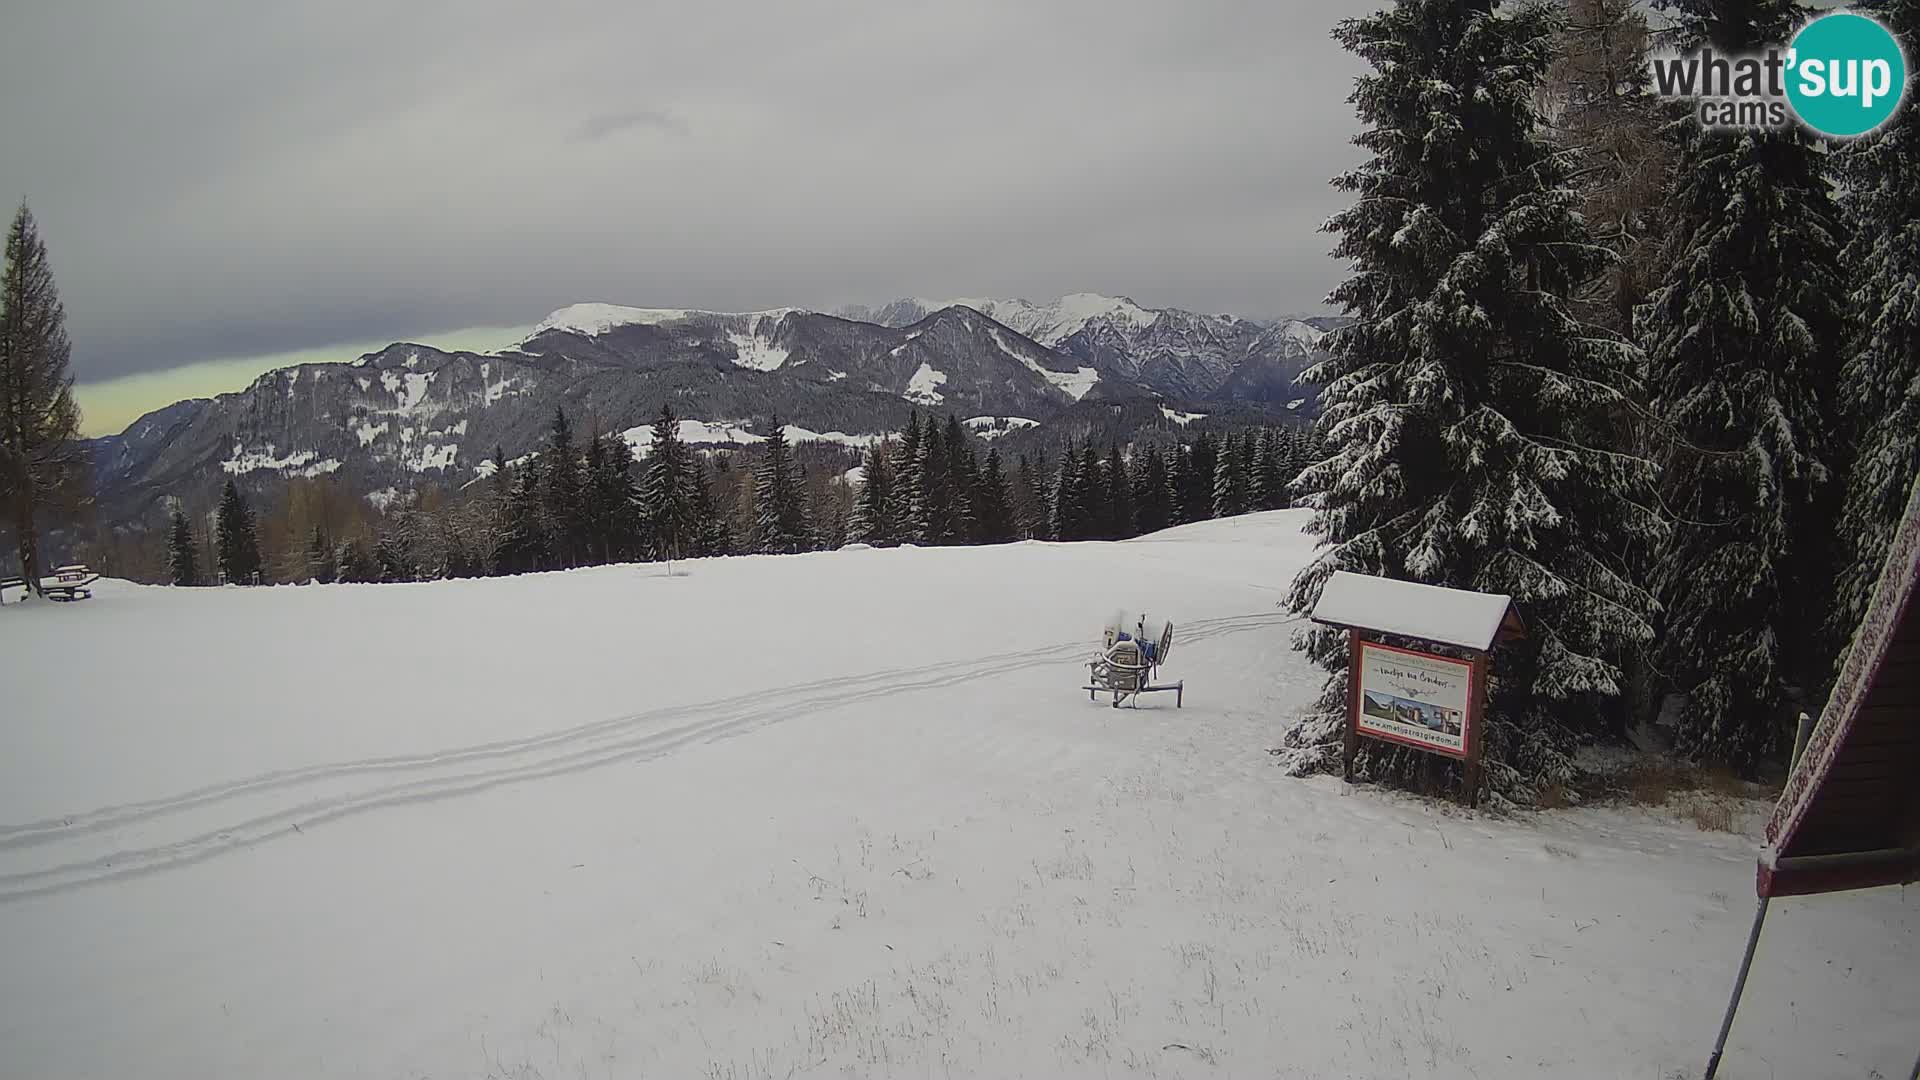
(1128, 663)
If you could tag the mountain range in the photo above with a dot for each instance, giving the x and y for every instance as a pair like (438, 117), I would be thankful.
(411, 413)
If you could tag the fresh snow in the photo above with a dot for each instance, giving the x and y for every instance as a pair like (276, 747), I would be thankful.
(1055, 321)
(1303, 335)
(431, 456)
(922, 387)
(733, 432)
(1409, 609)
(902, 347)
(486, 467)
(1075, 384)
(365, 432)
(410, 389)
(993, 427)
(303, 463)
(387, 496)
(592, 319)
(494, 390)
(609, 822)
(693, 432)
(797, 434)
(751, 352)
(1181, 418)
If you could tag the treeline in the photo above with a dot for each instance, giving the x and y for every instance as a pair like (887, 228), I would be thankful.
(584, 502)
(930, 486)
(575, 502)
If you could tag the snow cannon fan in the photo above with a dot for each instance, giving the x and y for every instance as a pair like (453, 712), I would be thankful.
(1131, 653)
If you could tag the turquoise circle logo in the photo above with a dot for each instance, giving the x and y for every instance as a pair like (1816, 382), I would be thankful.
(1846, 74)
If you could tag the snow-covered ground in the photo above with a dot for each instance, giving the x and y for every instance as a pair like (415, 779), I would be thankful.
(834, 814)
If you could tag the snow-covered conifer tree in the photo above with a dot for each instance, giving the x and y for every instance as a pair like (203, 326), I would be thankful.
(1460, 407)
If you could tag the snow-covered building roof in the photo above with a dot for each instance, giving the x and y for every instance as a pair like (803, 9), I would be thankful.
(1470, 620)
(1847, 818)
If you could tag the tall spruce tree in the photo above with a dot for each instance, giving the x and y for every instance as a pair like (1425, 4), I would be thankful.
(961, 469)
(1229, 480)
(715, 530)
(1880, 185)
(596, 516)
(1120, 524)
(779, 502)
(183, 567)
(873, 521)
(1095, 498)
(611, 516)
(239, 543)
(523, 546)
(1029, 501)
(1068, 511)
(828, 509)
(1249, 480)
(561, 499)
(668, 496)
(397, 558)
(1744, 337)
(321, 564)
(357, 563)
(1272, 475)
(933, 493)
(1459, 404)
(1203, 461)
(906, 492)
(1152, 494)
(41, 456)
(1293, 460)
(621, 492)
(1178, 483)
(992, 503)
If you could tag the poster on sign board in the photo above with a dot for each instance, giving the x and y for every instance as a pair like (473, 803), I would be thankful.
(1416, 699)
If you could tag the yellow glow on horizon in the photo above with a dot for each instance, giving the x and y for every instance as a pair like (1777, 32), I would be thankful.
(108, 406)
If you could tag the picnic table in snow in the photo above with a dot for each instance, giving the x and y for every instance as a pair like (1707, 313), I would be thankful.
(72, 582)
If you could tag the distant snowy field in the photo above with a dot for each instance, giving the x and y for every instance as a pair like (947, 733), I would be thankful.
(837, 814)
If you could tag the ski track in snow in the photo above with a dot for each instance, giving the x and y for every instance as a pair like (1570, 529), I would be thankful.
(551, 754)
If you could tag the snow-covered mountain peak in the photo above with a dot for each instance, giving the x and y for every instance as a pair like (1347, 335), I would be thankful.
(1049, 323)
(594, 319)
(1301, 333)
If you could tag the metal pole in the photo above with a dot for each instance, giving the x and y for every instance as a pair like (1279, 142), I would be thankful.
(1739, 986)
(1802, 732)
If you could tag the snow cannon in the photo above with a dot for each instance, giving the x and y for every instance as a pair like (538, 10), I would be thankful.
(1131, 652)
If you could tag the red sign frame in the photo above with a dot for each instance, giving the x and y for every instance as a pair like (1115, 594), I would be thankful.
(1471, 741)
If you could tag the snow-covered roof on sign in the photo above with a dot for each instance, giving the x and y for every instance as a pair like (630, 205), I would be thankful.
(1470, 620)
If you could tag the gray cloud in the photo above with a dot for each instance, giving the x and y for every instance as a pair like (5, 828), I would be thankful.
(605, 124)
(218, 178)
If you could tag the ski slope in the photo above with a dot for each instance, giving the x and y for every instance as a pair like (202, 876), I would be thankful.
(836, 814)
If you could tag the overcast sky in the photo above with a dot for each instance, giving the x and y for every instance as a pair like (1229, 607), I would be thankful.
(221, 180)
